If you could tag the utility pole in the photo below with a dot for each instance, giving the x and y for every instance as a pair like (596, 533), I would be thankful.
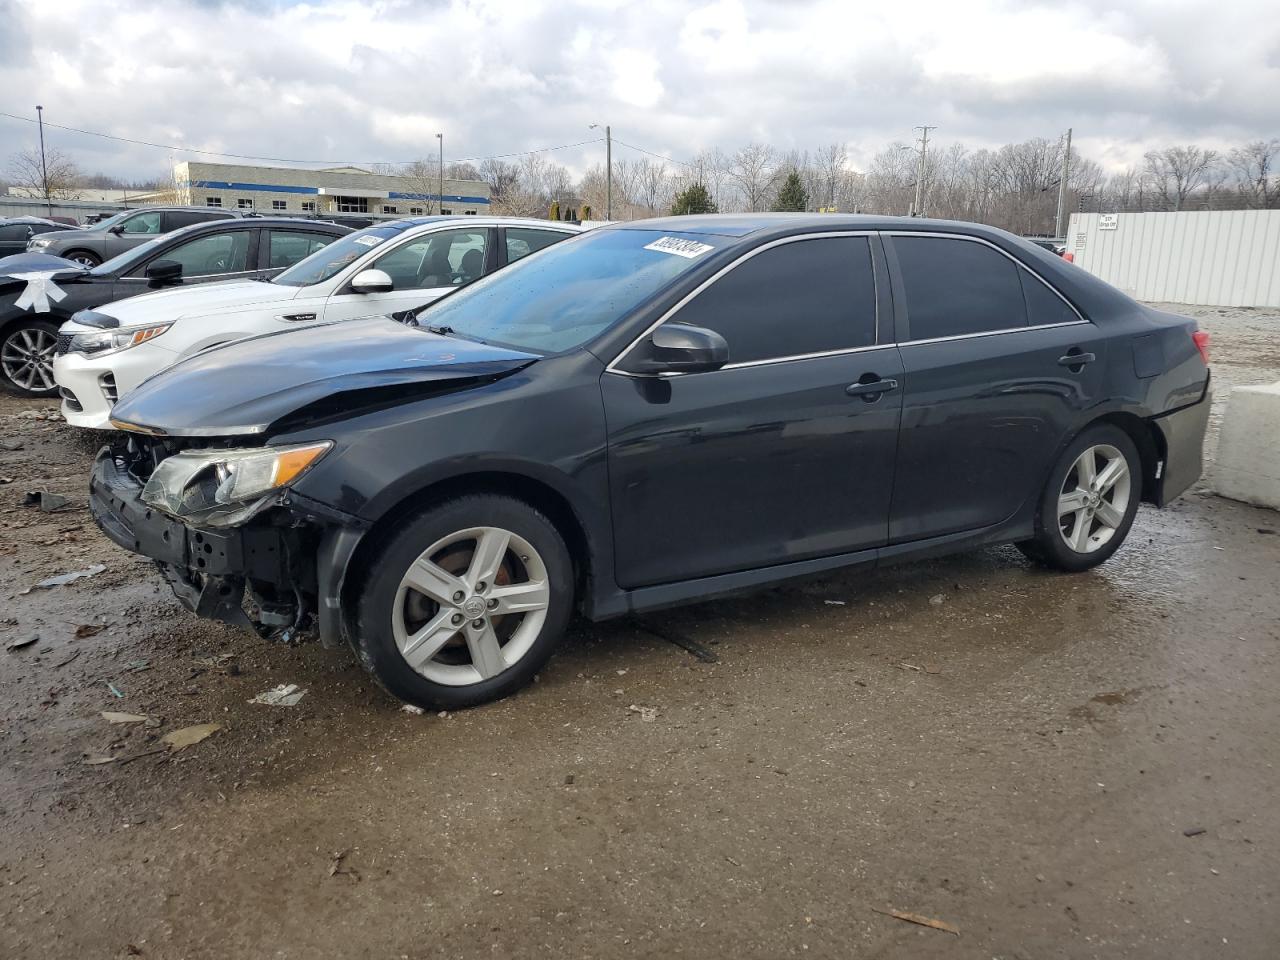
(1062, 187)
(608, 169)
(440, 199)
(44, 169)
(918, 207)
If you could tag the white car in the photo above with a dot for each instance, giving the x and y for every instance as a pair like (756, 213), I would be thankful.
(384, 269)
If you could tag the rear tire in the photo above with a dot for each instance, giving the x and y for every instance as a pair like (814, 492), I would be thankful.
(465, 603)
(1089, 501)
(26, 357)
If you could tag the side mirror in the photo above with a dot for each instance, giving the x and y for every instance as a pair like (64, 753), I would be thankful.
(117, 229)
(372, 281)
(680, 348)
(164, 273)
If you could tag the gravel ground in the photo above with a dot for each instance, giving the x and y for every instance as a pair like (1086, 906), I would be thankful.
(1055, 766)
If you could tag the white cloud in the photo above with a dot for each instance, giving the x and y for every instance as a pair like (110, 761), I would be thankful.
(360, 81)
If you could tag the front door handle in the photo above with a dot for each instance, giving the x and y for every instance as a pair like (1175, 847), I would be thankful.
(870, 389)
(1076, 359)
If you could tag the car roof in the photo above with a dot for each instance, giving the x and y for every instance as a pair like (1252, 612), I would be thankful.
(407, 223)
(751, 224)
(34, 220)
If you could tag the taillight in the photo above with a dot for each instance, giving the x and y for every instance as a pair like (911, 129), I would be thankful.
(1201, 337)
(1068, 256)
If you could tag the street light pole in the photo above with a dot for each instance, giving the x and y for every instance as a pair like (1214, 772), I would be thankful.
(440, 199)
(44, 169)
(924, 149)
(608, 169)
(1062, 187)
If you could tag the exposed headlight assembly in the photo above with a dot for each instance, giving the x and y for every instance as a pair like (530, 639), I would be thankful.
(102, 342)
(38, 244)
(224, 488)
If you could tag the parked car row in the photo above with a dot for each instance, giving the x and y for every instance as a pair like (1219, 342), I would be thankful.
(436, 441)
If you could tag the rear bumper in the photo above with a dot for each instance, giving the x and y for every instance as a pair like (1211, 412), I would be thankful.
(1183, 434)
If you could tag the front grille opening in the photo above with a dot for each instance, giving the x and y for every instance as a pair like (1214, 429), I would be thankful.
(64, 344)
(70, 399)
(108, 384)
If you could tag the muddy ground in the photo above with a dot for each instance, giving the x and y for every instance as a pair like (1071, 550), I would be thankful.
(1056, 766)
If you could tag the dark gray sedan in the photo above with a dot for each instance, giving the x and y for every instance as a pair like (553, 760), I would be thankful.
(113, 236)
(648, 414)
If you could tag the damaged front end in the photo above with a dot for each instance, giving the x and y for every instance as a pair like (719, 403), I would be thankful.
(218, 517)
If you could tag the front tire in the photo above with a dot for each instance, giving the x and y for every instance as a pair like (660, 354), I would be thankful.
(26, 357)
(85, 258)
(1089, 502)
(465, 603)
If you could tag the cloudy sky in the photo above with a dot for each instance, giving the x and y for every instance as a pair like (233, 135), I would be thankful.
(374, 81)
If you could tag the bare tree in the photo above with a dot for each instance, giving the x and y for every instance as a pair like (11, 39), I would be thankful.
(1175, 173)
(57, 179)
(755, 172)
(1253, 167)
(828, 165)
(424, 180)
(502, 177)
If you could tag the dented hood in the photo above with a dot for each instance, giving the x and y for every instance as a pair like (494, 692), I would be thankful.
(247, 386)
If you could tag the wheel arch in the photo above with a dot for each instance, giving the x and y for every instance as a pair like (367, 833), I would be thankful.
(533, 491)
(1145, 436)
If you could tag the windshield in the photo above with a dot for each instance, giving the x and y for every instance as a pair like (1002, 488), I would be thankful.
(565, 294)
(128, 259)
(328, 261)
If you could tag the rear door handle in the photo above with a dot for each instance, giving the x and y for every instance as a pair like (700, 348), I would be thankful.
(1077, 359)
(871, 390)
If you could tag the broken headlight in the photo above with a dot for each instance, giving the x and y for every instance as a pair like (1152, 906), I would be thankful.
(102, 342)
(223, 488)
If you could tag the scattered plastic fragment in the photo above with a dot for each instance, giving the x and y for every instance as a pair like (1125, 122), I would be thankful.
(410, 708)
(86, 630)
(188, 736)
(647, 714)
(112, 717)
(46, 501)
(23, 642)
(65, 578)
(115, 691)
(285, 695)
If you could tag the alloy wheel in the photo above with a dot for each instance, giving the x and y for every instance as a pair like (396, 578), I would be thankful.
(1094, 498)
(27, 358)
(84, 259)
(471, 606)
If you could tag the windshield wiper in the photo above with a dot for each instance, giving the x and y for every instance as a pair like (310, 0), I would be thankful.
(442, 330)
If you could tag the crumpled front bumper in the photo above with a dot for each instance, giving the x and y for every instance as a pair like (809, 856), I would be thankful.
(206, 568)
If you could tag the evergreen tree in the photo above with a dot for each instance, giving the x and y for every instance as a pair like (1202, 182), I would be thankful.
(586, 211)
(693, 199)
(792, 197)
(555, 210)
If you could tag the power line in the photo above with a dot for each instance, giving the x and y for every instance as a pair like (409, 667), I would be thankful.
(247, 156)
(683, 163)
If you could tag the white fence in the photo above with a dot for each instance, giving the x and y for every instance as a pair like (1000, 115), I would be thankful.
(1228, 258)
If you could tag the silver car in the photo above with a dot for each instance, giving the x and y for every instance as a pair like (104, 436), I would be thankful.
(113, 236)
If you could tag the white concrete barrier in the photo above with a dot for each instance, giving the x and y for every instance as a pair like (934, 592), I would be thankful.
(1248, 462)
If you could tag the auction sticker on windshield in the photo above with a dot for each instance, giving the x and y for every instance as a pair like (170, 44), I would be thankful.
(368, 241)
(681, 248)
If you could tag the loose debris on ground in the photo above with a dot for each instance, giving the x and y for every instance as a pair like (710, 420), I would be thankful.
(923, 921)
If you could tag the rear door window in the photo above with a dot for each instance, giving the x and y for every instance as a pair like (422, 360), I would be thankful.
(801, 297)
(522, 241)
(287, 247)
(956, 287)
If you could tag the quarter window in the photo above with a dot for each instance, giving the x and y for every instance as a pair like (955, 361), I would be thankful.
(958, 287)
(521, 242)
(806, 296)
(1044, 306)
